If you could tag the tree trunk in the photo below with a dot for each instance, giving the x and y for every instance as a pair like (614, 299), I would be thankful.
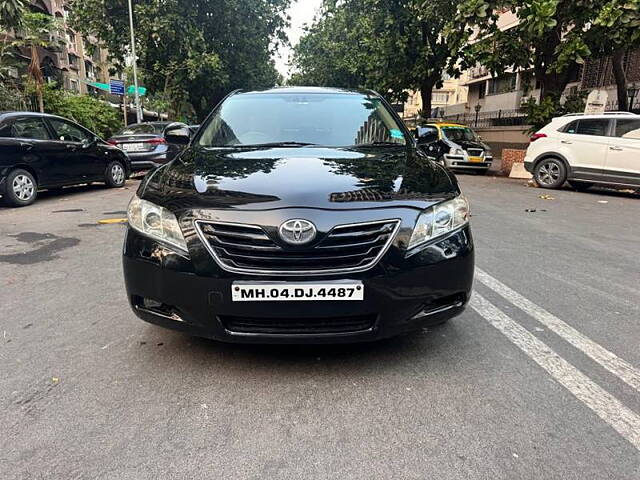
(621, 80)
(36, 75)
(426, 94)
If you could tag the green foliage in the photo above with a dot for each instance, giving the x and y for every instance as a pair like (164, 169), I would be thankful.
(551, 38)
(388, 45)
(540, 114)
(11, 13)
(92, 113)
(195, 51)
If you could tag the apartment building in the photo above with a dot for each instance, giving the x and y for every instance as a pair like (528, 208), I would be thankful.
(453, 92)
(507, 92)
(75, 61)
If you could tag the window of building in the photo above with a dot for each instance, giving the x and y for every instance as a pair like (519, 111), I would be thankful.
(73, 61)
(74, 86)
(628, 128)
(502, 84)
(440, 97)
(88, 67)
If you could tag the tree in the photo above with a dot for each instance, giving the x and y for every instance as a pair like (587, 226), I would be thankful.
(35, 33)
(616, 31)
(93, 113)
(550, 38)
(192, 50)
(11, 13)
(389, 45)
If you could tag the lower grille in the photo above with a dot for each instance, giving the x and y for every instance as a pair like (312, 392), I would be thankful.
(296, 325)
(242, 248)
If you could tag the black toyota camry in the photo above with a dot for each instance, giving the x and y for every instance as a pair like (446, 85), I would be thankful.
(299, 215)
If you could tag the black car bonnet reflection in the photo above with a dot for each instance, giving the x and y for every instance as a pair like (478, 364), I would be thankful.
(302, 177)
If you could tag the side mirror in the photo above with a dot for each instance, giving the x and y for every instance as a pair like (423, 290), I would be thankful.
(178, 136)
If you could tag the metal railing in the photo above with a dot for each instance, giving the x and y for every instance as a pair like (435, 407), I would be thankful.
(497, 118)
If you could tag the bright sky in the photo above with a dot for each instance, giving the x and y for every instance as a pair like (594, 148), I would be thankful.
(301, 13)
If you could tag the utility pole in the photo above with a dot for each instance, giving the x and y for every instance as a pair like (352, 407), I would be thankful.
(135, 67)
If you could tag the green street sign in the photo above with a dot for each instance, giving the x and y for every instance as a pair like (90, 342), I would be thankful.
(100, 86)
(132, 90)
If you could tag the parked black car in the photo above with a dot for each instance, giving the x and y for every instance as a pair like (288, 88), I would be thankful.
(299, 215)
(146, 145)
(46, 151)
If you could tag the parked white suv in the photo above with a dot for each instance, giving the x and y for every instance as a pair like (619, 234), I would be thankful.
(586, 150)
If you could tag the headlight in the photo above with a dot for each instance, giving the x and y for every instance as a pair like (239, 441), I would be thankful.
(440, 220)
(156, 222)
(456, 151)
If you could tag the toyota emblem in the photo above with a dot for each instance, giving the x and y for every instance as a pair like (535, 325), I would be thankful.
(297, 231)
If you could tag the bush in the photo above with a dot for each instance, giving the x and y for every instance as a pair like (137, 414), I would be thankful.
(540, 114)
(90, 112)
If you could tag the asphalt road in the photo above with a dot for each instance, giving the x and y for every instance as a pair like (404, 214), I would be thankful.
(538, 379)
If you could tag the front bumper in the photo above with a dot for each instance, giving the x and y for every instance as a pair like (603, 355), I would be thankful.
(463, 162)
(147, 161)
(400, 294)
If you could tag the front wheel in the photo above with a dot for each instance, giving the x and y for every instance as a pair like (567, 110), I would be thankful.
(115, 175)
(21, 189)
(550, 173)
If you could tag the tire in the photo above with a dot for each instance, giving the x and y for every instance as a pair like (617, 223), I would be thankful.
(21, 188)
(580, 186)
(550, 173)
(115, 175)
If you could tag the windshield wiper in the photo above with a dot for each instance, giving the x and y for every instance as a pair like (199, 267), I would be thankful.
(378, 143)
(275, 144)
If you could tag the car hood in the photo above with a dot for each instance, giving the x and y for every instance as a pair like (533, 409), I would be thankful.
(266, 178)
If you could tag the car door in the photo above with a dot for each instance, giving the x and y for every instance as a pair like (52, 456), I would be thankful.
(81, 158)
(623, 159)
(26, 140)
(585, 144)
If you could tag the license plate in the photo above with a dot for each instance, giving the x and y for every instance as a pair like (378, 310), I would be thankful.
(260, 292)
(476, 159)
(133, 147)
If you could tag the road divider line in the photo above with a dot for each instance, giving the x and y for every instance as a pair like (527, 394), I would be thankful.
(602, 403)
(610, 361)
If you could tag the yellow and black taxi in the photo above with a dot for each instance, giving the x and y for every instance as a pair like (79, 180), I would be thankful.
(454, 145)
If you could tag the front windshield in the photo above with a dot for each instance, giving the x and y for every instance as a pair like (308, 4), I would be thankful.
(329, 119)
(459, 133)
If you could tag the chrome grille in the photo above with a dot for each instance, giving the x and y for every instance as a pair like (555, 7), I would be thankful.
(248, 249)
(475, 152)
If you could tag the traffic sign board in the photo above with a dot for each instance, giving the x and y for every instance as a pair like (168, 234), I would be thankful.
(132, 90)
(116, 87)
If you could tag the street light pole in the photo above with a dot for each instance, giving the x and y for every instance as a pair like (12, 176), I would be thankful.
(135, 62)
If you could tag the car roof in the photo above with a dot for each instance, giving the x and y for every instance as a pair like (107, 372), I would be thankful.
(307, 90)
(29, 114)
(569, 117)
(444, 124)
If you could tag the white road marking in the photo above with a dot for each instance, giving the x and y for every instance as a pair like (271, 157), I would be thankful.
(616, 365)
(605, 405)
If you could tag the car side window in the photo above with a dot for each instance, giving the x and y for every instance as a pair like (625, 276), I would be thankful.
(628, 128)
(31, 128)
(68, 132)
(591, 126)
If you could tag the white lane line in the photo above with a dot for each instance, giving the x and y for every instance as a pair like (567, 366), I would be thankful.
(616, 365)
(605, 405)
